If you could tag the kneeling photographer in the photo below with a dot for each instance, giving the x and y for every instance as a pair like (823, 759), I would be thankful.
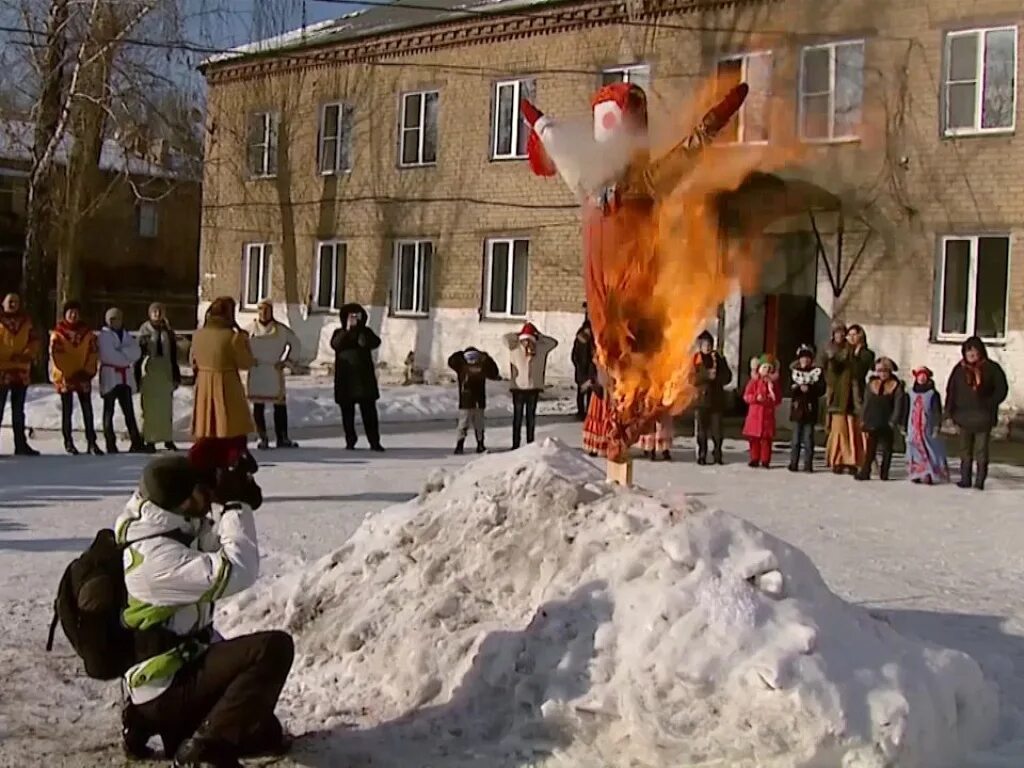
(210, 700)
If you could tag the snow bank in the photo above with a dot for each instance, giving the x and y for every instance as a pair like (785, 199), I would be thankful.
(522, 612)
(311, 404)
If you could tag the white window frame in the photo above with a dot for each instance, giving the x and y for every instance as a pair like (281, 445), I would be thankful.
(509, 288)
(422, 129)
(832, 47)
(342, 141)
(334, 301)
(972, 287)
(517, 119)
(269, 144)
(627, 70)
(421, 279)
(151, 207)
(741, 118)
(979, 95)
(266, 272)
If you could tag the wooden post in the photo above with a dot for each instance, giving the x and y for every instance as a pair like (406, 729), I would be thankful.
(621, 472)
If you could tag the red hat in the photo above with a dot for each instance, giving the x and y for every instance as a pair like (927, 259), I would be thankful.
(925, 370)
(529, 332)
(614, 102)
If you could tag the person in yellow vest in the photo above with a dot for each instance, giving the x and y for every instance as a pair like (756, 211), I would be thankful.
(19, 347)
(74, 360)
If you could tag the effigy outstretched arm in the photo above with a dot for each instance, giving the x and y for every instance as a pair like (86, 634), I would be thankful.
(665, 173)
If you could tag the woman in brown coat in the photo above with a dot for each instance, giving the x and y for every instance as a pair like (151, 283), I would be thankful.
(221, 420)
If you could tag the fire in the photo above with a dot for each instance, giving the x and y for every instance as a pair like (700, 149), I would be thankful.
(658, 281)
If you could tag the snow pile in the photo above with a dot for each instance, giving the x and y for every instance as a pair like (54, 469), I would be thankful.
(522, 612)
(311, 404)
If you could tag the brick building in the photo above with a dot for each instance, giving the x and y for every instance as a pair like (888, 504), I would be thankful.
(379, 158)
(140, 241)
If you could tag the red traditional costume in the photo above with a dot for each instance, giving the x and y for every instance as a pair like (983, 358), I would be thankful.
(620, 223)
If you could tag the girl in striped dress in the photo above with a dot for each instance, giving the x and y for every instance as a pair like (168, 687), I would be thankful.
(595, 425)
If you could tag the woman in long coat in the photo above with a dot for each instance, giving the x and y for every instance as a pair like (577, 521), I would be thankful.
(221, 421)
(159, 375)
(844, 396)
(355, 376)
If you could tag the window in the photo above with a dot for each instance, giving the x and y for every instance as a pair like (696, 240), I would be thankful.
(981, 83)
(257, 273)
(410, 294)
(510, 131)
(831, 91)
(335, 149)
(12, 195)
(419, 128)
(148, 219)
(329, 291)
(507, 270)
(262, 144)
(973, 287)
(640, 74)
(755, 69)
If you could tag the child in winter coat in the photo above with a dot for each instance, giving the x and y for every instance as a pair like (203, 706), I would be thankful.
(762, 396)
(808, 387)
(881, 415)
(926, 454)
(473, 368)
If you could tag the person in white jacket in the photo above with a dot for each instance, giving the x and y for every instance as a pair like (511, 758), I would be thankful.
(528, 357)
(273, 344)
(210, 700)
(119, 352)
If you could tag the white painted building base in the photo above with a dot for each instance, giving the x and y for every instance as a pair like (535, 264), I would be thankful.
(445, 331)
(433, 338)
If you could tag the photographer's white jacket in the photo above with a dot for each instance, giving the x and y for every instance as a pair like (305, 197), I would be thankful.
(174, 585)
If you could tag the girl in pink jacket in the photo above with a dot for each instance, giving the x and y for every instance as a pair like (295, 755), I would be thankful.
(762, 395)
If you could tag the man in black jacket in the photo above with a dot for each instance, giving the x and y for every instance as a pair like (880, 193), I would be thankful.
(976, 388)
(712, 375)
(583, 351)
(355, 375)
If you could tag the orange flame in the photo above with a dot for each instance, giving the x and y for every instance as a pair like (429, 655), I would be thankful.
(656, 276)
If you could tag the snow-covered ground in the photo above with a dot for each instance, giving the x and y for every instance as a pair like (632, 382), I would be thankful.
(939, 564)
(311, 404)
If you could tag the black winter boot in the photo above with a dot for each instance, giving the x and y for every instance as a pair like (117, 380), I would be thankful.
(981, 477)
(480, 447)
(169, 446)
(460, 447)
(70, 449)
(94, 449)
(134, 737)
(666, 455)
(966, 475)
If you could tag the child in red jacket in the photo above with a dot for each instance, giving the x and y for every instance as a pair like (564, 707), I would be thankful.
(762, 395)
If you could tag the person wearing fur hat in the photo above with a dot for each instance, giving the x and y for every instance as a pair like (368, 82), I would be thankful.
(808, 384)
(881, 416)
(211, 700)
(711, 375)
(761, 395)
(473, 369)
(74, 361)
(19, 347)
(977, 386)
(119, 352)
(528, 356)
(926, 453)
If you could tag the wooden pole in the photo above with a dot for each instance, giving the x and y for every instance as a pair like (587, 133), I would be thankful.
(621, 472)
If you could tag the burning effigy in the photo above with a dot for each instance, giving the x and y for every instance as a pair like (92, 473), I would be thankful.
(655, 264)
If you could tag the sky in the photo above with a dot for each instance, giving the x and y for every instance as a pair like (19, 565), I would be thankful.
(242, 24)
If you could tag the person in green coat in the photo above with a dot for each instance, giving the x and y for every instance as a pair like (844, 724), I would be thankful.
(159, 375)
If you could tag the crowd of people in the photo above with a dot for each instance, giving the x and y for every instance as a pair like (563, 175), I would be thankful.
(865, 404)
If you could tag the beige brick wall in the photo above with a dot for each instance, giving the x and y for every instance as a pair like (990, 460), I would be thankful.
(967, 185)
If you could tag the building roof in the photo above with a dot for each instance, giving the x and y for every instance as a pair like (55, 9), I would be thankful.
(376, 20)
(16, 138)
